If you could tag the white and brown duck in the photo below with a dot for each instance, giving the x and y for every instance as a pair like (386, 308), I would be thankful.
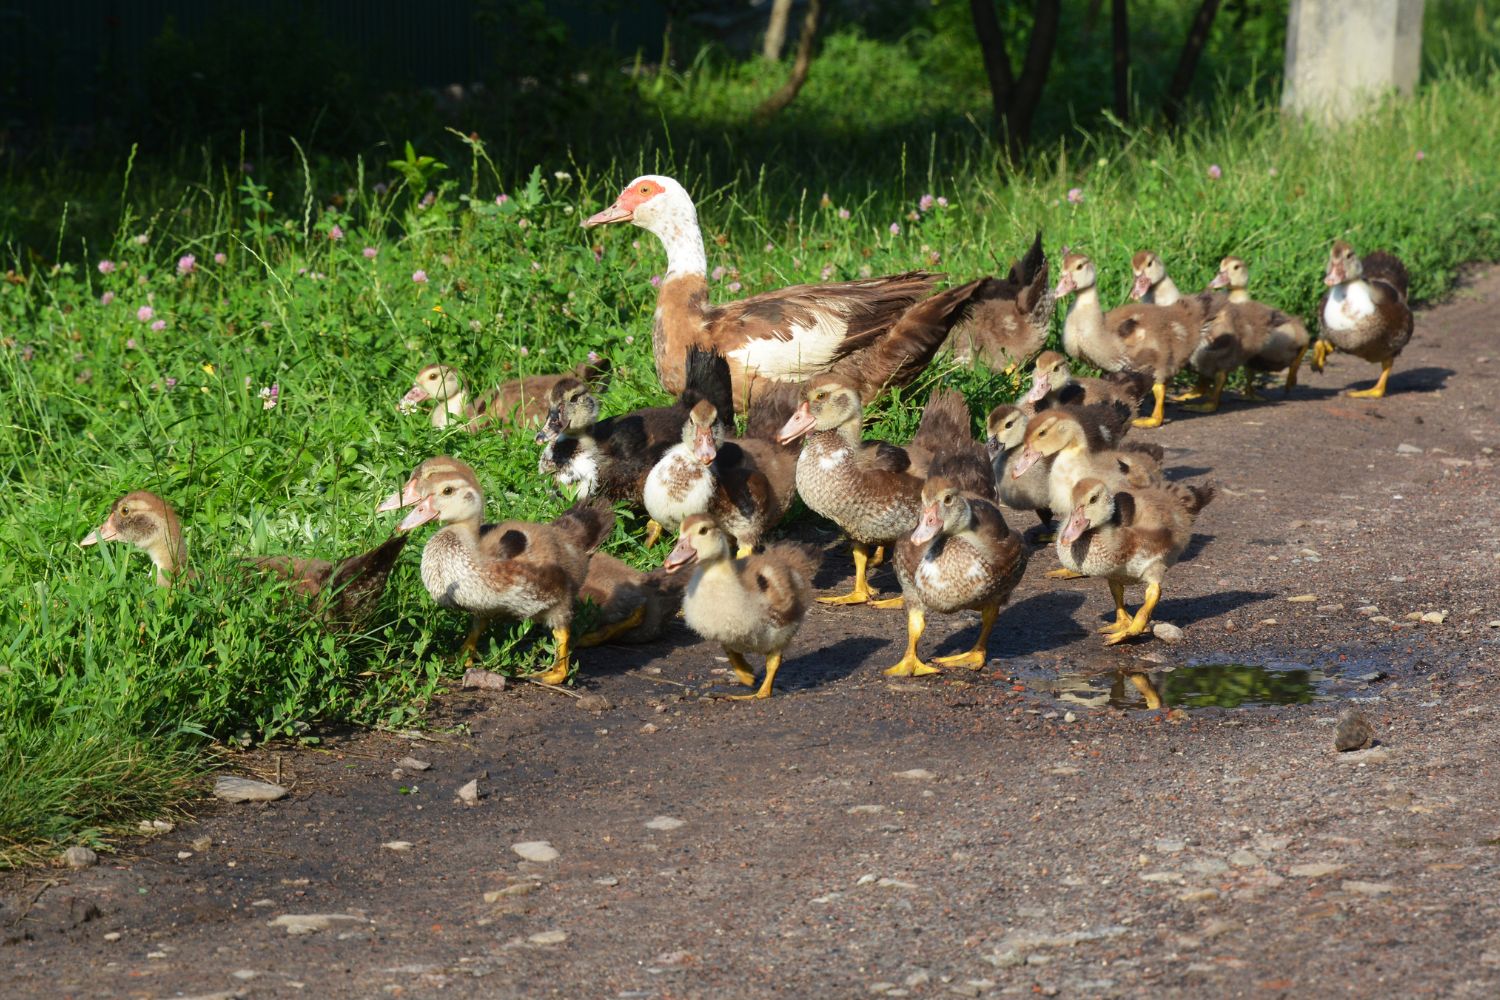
(345, 592)
(1152, 339)
(961, 556)
(1364, 312)
(789, 334)
(521, 402)
(1285, 338)
(528, 572)
(753, 604)
(1152, 285)
(1006, 320)
(1129, 536)
(868, 488)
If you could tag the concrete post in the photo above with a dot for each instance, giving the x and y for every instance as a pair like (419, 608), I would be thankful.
(1343, 54)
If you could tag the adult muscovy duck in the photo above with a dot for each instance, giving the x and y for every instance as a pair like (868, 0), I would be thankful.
(877, 333)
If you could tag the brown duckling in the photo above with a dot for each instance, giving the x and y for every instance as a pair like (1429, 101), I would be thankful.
(962, 556)
(611, 458)
(749, 605)
(632, 606)
(531, 571)
(1285, 339)
(1153, 339)
(346, 592)
(1152, 286)
(1365, 312)
(1006, 321)
(867, 488)
(1128, 536)
(1079, 450)
(1030, 489)
(1054, 384)
(520, 402)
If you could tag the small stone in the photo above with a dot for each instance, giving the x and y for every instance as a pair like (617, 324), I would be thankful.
(1244, 859)
(649, 728)
(919, 978)
(156, 954)
(1309, 553)
(1269, 621)
(1063, 770)
(608, 881)
(1379, 620)
(201, 844)
(244, 975)
(486, 679)
(1199, 895)
(894, 883)
(1413, 616)
(665, 823)
(308, 923)
(518, 889)
(469, 793)
(399, 846)
(1302, 599)
(235, 789)
(412, 764)
(1367, 888)
(866, 880)
(548, 937)
(1374, 755)
(1353, 731)
(1493, 624)
(1371, 677)
(1207, 866)
(1170, 846)
(916, 774)
(863, 810)
(184, 855)
(1162, 877)
(258, 903)
(1435, 617)
(1330, 607)
(591, 702)
(1407, 449)
(1069, 717)
(879, 988)
(1167, 632)
(80, 857)
(112, 936)
(1320, 869)
(536, 850)
(1367, 610)
(156, 826)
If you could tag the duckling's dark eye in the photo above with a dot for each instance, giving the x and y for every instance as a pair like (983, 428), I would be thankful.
(447, 491)
(820, 395)
(645, 189)
(948, 500)
(124, 511)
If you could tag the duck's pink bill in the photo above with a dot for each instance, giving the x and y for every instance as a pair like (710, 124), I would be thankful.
(1039, 390)
(797, 425)
(927, 528)
(680, 556)
(613, 213)
(1075, 527)
(1141, 287)
(416, 394)
(420, 515)
(1028, 458)
(104, 533)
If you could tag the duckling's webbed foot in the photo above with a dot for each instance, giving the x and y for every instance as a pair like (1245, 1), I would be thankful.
(861, 593)
(1214, 395)
(560, 666)
(1377, 390)
(653, 533)
(1122, 616)
(1063, 573)
(743, 672)
(1142, 619)
(1321, 350)
(773, 664)
(911, 665)
(887, 603)
(471, 643)
(1159, 391)
(605, 633)
(1198, 391)
(1291, 372)
(1147, 689)
(974, 658)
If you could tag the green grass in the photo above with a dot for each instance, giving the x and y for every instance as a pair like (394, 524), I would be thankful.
(110, 689)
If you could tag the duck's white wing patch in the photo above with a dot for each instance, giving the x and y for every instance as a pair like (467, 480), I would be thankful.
(1347, 305)
(805, 350)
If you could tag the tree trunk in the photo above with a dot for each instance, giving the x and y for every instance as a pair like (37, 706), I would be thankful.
(1045, 17)
(1121, 39)
(1187, 63)
(789, 90)
(781, 12)
(996, 62)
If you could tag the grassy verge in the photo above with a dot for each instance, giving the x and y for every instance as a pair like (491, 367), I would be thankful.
(336, 282)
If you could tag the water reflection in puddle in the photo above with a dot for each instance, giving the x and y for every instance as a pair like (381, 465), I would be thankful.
(1218, 685)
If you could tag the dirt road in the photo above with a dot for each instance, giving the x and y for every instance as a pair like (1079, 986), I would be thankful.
(1016, 831)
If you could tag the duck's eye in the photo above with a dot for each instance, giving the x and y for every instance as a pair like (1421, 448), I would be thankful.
(447, 491)
(124, 511)
(948, 500)
(645, 189)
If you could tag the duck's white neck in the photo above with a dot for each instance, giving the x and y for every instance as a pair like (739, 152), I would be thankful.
(168, 559)
(1084, 314)
(453, 406)
(683, 241)
(1163, 293)
(1239, 296)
